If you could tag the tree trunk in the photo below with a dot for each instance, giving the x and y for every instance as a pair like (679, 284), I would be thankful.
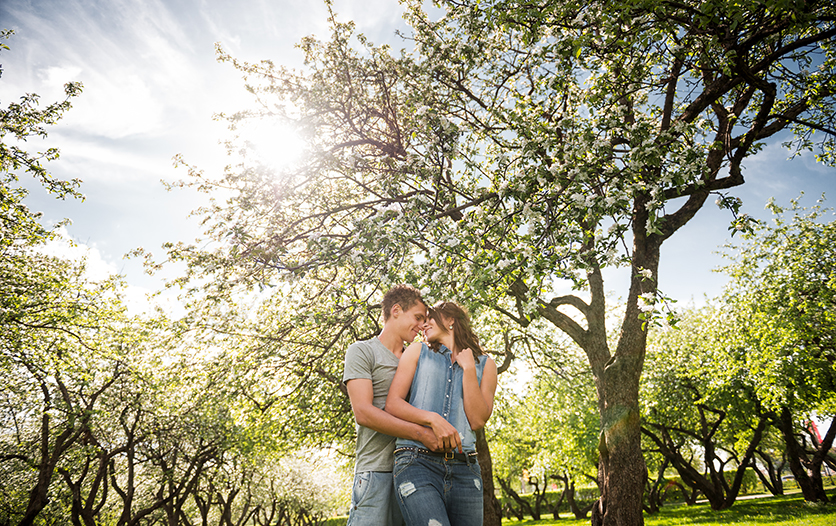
(822, 451)
(556, 506)
(492, 508)
(569, 491)
(771, 480)
(747, 461)
(811, 486)
(539, 495)
(689, 495)
(621, 468)
(654, 489)
(524, 506)
(50, 454)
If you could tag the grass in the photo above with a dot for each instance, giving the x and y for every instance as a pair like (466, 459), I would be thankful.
(788, 510)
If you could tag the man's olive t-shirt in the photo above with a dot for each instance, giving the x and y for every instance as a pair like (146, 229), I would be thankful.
(370, 359)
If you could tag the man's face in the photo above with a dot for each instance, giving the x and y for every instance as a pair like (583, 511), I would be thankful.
(411, 322)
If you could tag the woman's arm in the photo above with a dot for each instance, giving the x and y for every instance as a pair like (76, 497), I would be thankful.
(478, 399)
(396, 404)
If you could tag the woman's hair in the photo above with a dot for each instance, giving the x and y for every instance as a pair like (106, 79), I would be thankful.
(463, 335)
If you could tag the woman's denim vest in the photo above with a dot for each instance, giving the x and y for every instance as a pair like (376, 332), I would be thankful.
(437, 387)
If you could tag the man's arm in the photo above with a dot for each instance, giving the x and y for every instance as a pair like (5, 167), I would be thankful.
(361, 394)
(396, 403)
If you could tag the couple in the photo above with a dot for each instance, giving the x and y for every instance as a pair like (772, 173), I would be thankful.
(430, 397)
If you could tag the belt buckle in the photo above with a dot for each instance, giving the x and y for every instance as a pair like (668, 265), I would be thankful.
(451, 457)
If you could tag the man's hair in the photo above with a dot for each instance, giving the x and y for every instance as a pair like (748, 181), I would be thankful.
(404, 295)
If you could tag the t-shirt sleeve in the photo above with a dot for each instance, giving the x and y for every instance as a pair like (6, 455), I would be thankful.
(358, 363)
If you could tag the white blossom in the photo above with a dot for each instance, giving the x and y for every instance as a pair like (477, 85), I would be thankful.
(646, 301)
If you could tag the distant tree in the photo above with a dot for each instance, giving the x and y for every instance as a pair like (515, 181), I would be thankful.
(22, 121)
(700, 409)
(771, 460)
(60, 353)
(548, 434)
(520, 147)
(783, 291)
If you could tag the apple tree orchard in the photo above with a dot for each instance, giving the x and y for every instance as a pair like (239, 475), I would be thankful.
(514, 149)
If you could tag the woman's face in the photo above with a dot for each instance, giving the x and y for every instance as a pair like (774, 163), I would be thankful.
(433, 332)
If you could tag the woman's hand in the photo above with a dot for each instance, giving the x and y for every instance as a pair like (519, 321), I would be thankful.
(465, 359)
(448, 437)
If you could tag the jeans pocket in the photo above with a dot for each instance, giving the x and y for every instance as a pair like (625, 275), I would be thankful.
(473, 465)
(403, 459)
(361, 486)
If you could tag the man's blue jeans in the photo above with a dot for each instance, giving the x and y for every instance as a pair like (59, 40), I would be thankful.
(434, 491)
(373, 500)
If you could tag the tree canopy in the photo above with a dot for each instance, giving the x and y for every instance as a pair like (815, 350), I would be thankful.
(782, 291)
(515, 149)
(22, 121)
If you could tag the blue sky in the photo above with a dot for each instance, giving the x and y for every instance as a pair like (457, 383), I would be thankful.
(152, 85)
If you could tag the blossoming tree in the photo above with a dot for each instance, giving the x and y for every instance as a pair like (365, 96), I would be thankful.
(518, 147)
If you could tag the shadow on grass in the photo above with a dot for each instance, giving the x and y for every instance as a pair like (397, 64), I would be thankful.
(787, 510)
(766, 510)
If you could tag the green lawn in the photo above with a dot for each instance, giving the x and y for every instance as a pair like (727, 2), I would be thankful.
(790, 510)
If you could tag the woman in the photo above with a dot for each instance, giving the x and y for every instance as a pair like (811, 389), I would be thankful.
(448, 385)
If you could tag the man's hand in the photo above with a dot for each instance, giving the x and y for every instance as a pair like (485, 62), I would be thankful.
(428, 438)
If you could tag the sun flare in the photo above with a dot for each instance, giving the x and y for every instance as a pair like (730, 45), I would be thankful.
(274, 144)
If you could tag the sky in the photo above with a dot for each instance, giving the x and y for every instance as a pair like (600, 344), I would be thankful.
(152, 86)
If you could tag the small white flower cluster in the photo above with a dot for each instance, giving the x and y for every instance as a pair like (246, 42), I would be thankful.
(392, 207)
(647, 302)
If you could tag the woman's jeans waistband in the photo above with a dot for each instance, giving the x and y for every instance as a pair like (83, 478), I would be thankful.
(467, 456)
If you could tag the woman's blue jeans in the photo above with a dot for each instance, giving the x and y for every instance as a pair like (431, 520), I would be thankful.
(435, 491)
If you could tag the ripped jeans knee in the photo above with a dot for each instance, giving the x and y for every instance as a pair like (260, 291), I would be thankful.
(433, 491)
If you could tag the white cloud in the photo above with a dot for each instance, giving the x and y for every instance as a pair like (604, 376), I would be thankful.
(58, 75)
(118, 107)
(135, 61)
(97, 268)
(137, 299)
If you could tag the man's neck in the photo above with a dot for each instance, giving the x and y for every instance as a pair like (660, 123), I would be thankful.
(391, 341)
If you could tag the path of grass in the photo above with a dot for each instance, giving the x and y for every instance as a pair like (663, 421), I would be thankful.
(776, 511)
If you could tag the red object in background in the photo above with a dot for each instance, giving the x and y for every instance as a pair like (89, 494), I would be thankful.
(815, 429)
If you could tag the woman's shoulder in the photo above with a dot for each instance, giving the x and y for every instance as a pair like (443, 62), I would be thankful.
(486, 362)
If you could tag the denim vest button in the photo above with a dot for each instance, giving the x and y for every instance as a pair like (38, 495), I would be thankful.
(427, 389)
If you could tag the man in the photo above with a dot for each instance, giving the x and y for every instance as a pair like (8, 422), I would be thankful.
(370, 366)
